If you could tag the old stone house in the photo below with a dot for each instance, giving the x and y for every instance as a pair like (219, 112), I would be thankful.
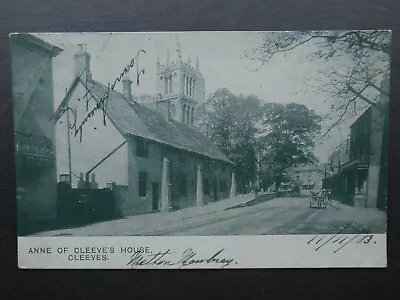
(153, 157)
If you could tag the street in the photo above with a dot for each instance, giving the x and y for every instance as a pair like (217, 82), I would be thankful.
(288, 215)
(283, 216)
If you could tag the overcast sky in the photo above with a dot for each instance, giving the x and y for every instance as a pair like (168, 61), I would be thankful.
(222, 62)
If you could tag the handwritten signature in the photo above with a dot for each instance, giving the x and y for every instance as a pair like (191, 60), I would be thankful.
(189, 257)
(103, 101)
(339, 240)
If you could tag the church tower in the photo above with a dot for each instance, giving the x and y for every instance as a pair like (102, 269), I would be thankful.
(180, 86)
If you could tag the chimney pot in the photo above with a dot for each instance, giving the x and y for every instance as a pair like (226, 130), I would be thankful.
(127, 88)
(82, 63)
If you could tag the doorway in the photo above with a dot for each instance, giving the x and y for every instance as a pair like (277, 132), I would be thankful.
(154, 190)
(215, 190)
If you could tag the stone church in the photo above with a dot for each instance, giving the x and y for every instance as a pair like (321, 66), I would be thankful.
(180, 89)
(148, 151)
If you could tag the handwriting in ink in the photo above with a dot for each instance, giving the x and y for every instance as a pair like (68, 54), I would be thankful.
(320, 241)
(103, 101)
(189, 257)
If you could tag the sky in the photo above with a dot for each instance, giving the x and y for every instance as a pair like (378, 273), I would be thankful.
(222, 63)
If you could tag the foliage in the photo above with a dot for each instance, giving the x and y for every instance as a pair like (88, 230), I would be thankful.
(288, 137)
(262, 140)
(354, 64)
(232, 122)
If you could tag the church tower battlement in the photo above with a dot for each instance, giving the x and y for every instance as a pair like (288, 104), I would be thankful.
(181, 84)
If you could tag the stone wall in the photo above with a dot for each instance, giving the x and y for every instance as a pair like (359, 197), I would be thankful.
(182, 178)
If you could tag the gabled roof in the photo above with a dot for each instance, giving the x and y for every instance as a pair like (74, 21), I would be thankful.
(132, 118)
(30, 41)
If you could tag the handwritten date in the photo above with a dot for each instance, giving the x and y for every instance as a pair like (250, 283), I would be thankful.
(339, 241)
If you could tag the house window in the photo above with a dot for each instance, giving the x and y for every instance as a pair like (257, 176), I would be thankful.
(182, 157)
(182, 186)
(223, 186)
(142, 148)
(206, 187)
(223, 168)
(142, 184)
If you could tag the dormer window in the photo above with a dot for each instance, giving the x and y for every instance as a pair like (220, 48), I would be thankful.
(142, 148)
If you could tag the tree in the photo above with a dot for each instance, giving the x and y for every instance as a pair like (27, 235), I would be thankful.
(288, 137)
(354, 64)
(232, 126)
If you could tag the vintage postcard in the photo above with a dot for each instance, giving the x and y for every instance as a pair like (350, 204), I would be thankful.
(183, 150)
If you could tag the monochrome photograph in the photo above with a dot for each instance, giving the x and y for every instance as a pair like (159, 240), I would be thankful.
(201, 133)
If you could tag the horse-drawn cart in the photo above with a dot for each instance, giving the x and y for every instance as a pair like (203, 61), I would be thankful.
(319, 199)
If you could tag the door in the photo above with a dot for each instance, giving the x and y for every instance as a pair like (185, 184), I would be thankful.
(154, 193)
(215, 189)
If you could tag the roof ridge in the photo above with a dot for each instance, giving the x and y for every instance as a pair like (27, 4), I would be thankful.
(134, 118)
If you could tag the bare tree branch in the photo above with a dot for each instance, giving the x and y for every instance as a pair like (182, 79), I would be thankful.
(359, 95)
(339, 120)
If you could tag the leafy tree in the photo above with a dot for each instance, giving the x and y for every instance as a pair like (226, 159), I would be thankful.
(232, 126)
(262, 141)
(354, 64)
(288, 137)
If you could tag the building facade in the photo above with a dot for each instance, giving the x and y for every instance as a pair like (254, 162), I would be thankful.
(359, 167)
(307, 177)
(149, 154)
(35, 149)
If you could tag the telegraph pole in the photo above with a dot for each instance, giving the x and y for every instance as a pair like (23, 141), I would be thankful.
(69, 147)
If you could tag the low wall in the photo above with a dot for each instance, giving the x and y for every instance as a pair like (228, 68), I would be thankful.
(126, 206)
(262, 197)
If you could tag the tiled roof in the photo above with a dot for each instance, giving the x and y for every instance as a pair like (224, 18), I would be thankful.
(139, 120)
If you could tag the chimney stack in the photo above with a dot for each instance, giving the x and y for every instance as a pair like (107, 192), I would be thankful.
(127, 88)
(164, 107)
(82, 63)
(93, 183)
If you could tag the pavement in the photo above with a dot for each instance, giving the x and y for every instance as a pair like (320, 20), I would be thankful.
(144, 224)
(288, 215)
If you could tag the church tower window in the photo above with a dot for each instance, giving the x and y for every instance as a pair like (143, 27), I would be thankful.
(187, 85)
(183, 112)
